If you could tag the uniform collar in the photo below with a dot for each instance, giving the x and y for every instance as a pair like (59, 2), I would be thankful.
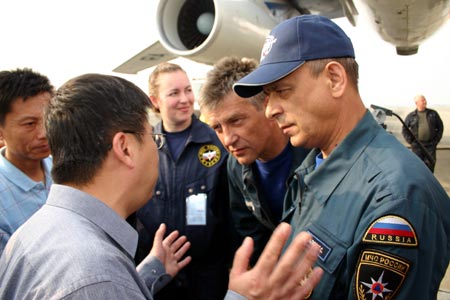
(200, 132)
(339, 162)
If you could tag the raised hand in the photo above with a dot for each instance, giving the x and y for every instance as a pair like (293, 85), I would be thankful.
(287, 277)
(170, 250)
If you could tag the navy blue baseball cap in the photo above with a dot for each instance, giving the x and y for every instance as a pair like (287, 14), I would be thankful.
(289, 45)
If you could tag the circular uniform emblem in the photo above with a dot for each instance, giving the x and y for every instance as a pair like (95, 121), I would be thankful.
(209, 155)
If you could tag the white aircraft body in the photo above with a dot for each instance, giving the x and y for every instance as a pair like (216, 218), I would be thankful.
(206, 30)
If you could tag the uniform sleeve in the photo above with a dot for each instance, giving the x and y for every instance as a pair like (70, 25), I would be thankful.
(404, 253)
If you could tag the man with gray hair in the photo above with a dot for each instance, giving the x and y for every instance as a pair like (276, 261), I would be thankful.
(425, 127)
(262, 157)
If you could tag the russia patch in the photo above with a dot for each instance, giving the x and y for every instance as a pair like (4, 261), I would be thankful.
(392, 230)
(379, 275)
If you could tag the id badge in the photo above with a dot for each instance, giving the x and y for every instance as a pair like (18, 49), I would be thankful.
(196, 209)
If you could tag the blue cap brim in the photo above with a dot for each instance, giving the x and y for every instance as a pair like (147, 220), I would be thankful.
(254, 82)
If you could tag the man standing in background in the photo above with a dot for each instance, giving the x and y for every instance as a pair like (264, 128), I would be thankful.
(427, 127)
(24, 161)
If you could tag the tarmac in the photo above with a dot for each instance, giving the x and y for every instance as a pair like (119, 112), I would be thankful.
(442, 173)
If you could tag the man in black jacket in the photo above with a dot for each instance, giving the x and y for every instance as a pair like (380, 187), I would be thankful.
(427, 127)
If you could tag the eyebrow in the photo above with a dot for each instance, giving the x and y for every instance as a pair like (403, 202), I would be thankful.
(269, 88)
(26, 118)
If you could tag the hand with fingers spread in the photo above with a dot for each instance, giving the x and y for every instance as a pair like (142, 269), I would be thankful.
(290, 276)
(171, 250)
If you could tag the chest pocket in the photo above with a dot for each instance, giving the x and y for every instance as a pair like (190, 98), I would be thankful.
(333, 250)
(331, 259)
(203, 188)
(200, 186)
(201, 225)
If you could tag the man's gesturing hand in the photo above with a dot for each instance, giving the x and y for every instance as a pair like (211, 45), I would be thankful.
(287, 277)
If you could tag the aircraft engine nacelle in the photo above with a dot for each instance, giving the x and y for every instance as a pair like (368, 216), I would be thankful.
(206, 30)
(407, 23)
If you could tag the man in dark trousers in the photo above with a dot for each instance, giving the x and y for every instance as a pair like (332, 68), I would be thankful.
(427, 127)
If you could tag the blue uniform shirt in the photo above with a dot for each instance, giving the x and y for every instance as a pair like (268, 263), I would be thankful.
(197, 176)
(249, 204)
(20, 196)
(380, 216)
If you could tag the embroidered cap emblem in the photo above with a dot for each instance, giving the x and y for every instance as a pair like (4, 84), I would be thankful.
(392, 230)
(270, 40)
(209, 155)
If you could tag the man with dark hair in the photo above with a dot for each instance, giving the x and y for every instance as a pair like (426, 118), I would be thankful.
(24, 161)
(262, 157)
(79, 246)
(380, 216)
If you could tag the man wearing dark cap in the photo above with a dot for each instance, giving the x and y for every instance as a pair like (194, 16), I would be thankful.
(383, 235)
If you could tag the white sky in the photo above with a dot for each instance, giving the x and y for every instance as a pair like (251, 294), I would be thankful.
(66, 38)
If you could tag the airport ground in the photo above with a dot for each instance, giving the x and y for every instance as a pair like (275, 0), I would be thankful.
(442, 173)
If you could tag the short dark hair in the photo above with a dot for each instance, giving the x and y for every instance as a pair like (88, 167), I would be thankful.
(20, 84)
(82, 119)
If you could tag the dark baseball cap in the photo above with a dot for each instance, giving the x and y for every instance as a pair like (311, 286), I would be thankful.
(289, 45)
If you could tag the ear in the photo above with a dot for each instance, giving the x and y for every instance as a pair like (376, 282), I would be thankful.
(336, 78)
(2, 136)
(122, 148)
(154, 101)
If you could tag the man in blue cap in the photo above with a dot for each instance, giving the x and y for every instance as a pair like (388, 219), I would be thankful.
(383, 234)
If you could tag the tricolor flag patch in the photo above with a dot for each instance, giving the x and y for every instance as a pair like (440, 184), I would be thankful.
(392, 230)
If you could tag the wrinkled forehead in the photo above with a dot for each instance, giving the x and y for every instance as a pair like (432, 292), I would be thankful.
(231, 110)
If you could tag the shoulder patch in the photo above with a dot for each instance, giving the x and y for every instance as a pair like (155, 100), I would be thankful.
(379, 275)
(209, 155)
(391, 230)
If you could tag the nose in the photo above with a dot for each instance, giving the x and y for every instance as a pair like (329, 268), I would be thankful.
(40, 129)
(228, 137)
(273, 110)
(187, 97)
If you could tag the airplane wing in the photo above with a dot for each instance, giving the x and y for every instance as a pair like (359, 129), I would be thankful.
(149, 57)
(350, 10)
(207, 30)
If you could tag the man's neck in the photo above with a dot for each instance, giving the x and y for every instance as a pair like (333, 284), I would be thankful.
(32, 168)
